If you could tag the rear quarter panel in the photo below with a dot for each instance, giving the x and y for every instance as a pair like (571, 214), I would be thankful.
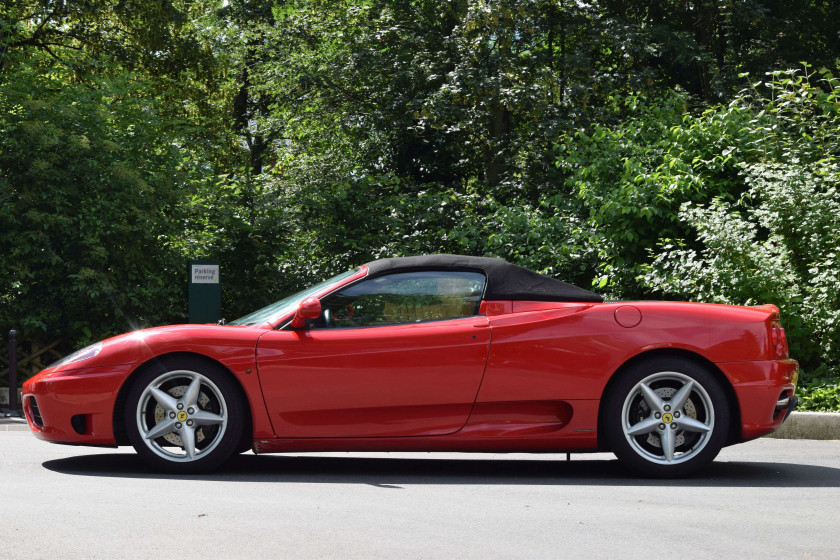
(572, 351)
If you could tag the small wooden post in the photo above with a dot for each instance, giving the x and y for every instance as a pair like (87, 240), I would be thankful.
(13, 404)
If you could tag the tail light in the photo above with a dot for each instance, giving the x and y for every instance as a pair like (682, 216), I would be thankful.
(778, 341)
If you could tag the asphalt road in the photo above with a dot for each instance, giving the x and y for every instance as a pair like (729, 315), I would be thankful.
(771, 498)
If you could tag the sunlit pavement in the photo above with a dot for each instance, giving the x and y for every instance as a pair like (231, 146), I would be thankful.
(767, 497)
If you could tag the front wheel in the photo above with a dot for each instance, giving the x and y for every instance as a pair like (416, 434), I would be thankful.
(666, 417)
(184, 417)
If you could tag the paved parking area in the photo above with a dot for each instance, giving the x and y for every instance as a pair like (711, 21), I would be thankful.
(774, 498)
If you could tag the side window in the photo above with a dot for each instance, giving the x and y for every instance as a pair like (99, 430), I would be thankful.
(409, 297)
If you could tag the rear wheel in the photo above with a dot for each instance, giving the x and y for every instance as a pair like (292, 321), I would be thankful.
(666, 417)
(185, 417)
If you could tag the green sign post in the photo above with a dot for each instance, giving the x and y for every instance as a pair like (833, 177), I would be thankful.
(204, 291)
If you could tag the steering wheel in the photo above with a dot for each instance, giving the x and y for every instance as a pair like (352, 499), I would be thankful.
(343, 313)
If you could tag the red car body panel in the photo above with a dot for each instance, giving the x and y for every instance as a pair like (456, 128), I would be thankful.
(404, 380)
(758, 389)
(66, 391)
(520, 376)
(63, 394)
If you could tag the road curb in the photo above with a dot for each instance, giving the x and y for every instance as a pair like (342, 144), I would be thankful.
(810, 425)
(12, 424)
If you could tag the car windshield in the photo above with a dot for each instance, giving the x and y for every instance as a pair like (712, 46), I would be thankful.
(289, 303)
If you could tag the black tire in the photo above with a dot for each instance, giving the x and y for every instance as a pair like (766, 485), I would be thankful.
(643, 423)
(192, 409)
(246, 443)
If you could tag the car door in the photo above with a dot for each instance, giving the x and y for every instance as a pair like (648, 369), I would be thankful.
(397, 355)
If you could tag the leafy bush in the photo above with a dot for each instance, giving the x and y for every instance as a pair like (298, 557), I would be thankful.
(630, 179)
(738, 204)
(819, 392)
(778, 242)
(765, 248)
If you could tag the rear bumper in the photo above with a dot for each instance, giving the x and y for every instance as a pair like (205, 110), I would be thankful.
(74, 406)
(764, 390)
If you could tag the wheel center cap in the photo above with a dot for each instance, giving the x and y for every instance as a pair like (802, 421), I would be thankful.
(182, 415)
(667, 418)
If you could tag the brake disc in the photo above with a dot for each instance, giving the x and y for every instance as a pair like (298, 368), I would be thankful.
(688, 408)
(178, 392)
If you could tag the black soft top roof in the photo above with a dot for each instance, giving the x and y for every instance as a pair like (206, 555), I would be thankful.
(504, 280)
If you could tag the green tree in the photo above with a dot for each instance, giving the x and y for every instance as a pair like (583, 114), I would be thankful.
(702, 45)
(100, 104)
(84, 192)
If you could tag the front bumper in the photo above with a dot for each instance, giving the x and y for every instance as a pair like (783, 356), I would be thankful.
(74, 405)
(764, 390)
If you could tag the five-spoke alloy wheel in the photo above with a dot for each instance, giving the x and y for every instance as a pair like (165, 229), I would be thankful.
(185, 416)
(666, 417)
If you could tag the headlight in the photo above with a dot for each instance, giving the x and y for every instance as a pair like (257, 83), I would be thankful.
(78, 356)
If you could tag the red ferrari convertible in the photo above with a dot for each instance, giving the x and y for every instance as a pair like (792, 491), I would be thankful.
(431, 353)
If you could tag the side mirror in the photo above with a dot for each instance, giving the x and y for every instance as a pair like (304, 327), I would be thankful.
(310, 308)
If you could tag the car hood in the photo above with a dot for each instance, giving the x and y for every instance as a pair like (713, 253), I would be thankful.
(145, 344)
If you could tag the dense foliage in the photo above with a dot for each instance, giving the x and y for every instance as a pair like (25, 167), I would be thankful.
(649, 149)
